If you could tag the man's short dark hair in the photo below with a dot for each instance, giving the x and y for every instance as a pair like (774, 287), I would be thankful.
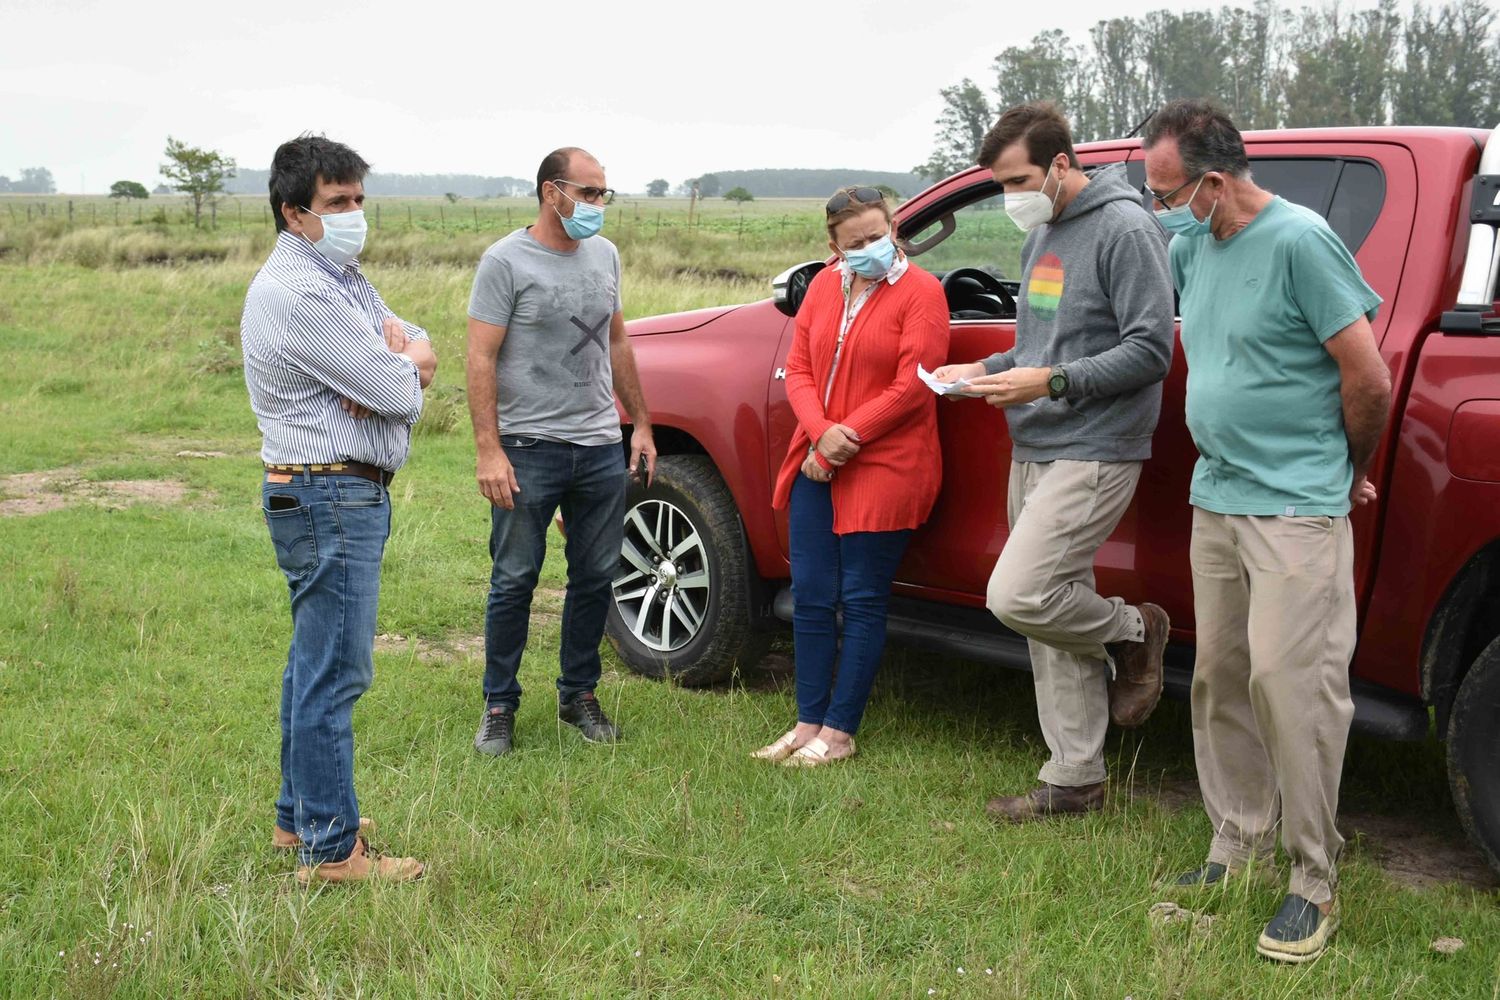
(554, 168)
(1206, 137)
(1040, 124)
(298, 165)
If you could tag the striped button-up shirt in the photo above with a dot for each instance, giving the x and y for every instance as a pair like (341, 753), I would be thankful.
(311, 333)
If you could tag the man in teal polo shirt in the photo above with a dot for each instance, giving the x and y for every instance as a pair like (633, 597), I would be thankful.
(1286, 399)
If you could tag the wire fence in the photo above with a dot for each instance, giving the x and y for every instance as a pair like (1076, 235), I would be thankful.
(794, 218)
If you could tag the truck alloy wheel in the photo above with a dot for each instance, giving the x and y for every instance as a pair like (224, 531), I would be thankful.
(680, 598)
(662, 590)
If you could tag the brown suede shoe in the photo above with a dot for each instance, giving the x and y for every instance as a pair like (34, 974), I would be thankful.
(1048, 800)
(360, 866)
(1136, 688)
(286, 840)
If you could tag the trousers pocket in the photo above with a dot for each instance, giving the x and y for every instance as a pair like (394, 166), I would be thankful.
(360, 494)
(292, 534)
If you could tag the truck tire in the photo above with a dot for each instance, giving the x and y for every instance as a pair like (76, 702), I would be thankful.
(680, 603)
(1474, 753)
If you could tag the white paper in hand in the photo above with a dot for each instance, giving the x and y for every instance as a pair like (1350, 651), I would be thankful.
(941, 388)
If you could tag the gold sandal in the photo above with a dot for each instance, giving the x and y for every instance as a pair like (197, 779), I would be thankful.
(780, 750)
(814, 753)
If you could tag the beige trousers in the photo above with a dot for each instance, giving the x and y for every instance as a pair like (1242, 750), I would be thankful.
(1274, 601)
(1043, 587)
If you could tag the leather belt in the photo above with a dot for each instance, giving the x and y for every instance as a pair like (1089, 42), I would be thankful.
(363, 470)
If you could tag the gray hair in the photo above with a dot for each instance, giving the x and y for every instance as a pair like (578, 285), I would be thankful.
(1206, 137)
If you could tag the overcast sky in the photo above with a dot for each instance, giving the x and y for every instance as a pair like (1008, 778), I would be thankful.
(91, 90)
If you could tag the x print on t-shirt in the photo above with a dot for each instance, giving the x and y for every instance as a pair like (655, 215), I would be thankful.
(593, 333)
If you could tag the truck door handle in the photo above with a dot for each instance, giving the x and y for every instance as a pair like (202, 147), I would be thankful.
(780, 373)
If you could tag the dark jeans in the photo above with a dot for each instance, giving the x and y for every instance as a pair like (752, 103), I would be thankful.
(830, 572)
(330, 534)
(588, 483)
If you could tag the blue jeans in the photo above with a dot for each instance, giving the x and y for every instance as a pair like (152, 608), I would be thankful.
(330, 534)
(829, 572)
(588, 483)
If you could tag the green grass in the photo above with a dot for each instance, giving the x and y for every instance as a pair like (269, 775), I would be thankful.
(140, 655)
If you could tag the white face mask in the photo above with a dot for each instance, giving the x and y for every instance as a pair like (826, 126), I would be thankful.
(1029, 209)
(343, 235)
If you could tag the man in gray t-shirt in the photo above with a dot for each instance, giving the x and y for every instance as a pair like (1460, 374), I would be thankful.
(553, 371)
(547, 355)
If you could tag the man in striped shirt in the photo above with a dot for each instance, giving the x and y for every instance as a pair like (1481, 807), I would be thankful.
(336, 382)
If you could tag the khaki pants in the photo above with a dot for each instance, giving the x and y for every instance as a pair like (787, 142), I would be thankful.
(1043, 587)
(1274, 600)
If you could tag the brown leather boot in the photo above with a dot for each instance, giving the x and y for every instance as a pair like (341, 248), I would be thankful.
(1048, 800)
(286, 840)
(1136, 687)
(360, 866)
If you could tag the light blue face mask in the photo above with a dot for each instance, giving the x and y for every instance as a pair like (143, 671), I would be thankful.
(1181, 221)
(343, 235)
(873, 261)
(585, 221)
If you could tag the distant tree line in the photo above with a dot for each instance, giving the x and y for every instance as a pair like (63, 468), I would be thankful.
(33, 180)
(1269, 66)
(396, 185)
(796, 183)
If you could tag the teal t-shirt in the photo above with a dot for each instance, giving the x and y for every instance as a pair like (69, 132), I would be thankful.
(1263, 401)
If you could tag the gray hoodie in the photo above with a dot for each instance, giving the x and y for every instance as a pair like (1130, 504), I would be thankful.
(1096, 298)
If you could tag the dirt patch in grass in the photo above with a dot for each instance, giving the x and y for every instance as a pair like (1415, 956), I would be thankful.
(1407, 848)
(27, 494)
(775, 671)
(30, 506)
(162, 491)
(546, 609)
(446, 649)
(1415, 855)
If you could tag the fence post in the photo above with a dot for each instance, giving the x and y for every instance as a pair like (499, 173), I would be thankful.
(239, 209)
(442, 219)
(408, 217)
(377, 215)
(476, 217)
(213, 215)
(70, 213)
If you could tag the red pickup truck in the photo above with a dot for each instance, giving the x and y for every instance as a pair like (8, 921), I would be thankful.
(703, 573)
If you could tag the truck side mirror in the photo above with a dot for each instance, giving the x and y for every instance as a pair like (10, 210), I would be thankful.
(790, 286)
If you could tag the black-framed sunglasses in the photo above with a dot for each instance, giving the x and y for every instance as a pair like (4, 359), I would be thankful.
(863, 195)
(1162, 199)
(593, 195)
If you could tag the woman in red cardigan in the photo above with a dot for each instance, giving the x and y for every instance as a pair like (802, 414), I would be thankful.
(863, 468)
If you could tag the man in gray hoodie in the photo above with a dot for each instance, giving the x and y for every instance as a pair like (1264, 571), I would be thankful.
(1081, 392)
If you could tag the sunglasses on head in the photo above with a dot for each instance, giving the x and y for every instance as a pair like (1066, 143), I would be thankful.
(863, 195)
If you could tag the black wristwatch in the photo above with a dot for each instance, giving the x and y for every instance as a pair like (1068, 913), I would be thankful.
(1057, 383)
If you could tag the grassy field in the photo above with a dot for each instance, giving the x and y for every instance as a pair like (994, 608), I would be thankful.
(142, 631)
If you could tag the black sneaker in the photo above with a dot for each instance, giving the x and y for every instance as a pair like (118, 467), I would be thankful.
(585, 713)
(1299, 932)
(1209, 875)
(495, 731)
